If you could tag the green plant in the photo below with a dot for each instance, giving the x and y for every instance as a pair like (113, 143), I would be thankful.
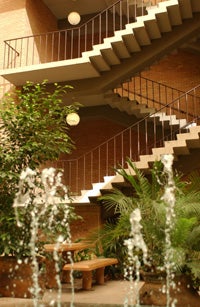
(147, 195)
(33, 130)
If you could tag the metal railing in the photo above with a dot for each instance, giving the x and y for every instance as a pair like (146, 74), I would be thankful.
(136, 140)
(71, 43)
(146, 91)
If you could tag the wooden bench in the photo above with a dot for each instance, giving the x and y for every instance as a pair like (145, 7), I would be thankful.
(87, 266)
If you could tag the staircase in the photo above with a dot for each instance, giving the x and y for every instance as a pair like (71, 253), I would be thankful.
(141, 33)
(131, 35)
(172, 129)
(181, 146)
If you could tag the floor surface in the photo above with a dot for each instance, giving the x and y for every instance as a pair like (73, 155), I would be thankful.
(112, 294)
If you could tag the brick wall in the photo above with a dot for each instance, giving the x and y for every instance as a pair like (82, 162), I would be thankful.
(91, 220)
(180, 70)
(21, 18)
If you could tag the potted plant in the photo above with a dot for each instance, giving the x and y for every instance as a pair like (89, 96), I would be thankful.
(33, 131)
(146, 193)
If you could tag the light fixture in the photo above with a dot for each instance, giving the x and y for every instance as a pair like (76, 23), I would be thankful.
(74, 18)
(73, 119)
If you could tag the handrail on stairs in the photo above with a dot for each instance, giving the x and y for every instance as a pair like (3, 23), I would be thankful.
(150, 132)
(71, 43)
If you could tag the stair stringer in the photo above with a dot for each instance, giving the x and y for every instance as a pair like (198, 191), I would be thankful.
(181, 146)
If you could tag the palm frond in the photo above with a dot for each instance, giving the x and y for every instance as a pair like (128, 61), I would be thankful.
(138, 181)
(117, 200)
(193, 239)
(182, 230)
(194, 179)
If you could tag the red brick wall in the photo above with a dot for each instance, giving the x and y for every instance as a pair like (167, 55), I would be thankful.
(81, 228)
(21, 18)
(180, 70)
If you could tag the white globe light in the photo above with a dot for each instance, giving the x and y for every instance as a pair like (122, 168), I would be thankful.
(72, 119)
(74, 18)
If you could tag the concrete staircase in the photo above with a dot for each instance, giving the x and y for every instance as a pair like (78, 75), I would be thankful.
(167, 26)
(180, 146)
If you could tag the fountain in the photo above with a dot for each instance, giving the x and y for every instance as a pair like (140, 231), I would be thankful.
(169, 199)
(41, 194)
(46, 198)
(134, 244)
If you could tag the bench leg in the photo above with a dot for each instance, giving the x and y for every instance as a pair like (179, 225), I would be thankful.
(100, 276)
(66, 276)
(87, 280)
(51, 273)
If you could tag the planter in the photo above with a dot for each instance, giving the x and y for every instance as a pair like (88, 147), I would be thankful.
(16, 278)
(151, 293)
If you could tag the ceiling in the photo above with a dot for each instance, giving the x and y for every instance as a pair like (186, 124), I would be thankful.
(61, 8)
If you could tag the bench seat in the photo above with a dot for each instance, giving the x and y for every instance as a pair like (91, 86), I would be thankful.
(87, 266)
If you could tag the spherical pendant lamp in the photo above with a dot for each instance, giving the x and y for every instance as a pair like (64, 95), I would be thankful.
(74, 18)
(72, 119)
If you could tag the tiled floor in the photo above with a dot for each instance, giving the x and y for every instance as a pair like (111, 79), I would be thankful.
(111, 294)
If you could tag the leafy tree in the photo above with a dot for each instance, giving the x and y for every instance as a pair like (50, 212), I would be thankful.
(33, 130)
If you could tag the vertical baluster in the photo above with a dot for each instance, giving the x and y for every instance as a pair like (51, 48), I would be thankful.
(77, 174)
(92, 167)
(58, 56)
(84, 173)
(86, 38)
(72, 44)
(70, 173)
(79, 43)
(93, 31)
(9, 57)
(106, 23)
(27, 50)
(15, 54)
(21, 48)
(100, 29)
(186, 108)
(154, 131)
(128, 11)
(33, 51)
(46, 48)
(115, 152)
(99, 163)
(107, 157)
(53, 46)
(138, 140)
(130, 143)
(4, 56)
(120, 15)
(146, 137)
(113, 19)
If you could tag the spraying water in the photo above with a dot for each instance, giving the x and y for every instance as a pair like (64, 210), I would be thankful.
(134, 244)
(169, 199)
(41, 194)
